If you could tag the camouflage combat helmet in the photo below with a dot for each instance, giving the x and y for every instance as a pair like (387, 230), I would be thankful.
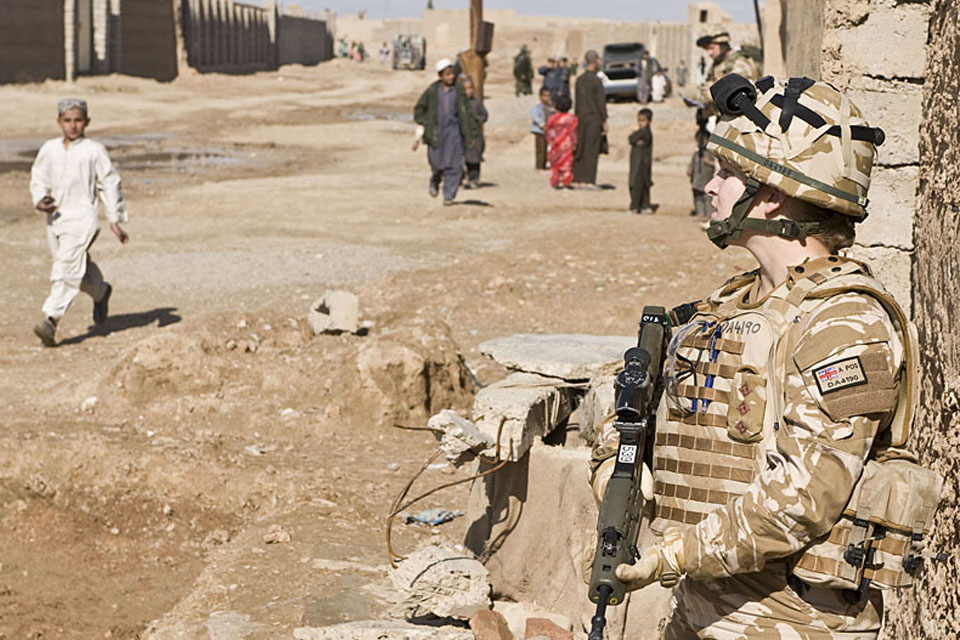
(801, 137)
(722, 38)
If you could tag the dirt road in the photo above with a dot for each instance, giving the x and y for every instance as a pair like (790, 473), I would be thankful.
(144, 466)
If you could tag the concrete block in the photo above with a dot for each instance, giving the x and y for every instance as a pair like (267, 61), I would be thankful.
(891, 43)
(893, 267)
(460, 439)
(897, 109)
(567, 356)
(380, 629)
(335, 312)
(597, 405)
(517, 613)
(489, 625)
(530, 524)
(893, 194)
(437, 580)
(546, 628)
(529, 407)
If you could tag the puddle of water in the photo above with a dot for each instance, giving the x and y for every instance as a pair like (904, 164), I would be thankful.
(366, 116)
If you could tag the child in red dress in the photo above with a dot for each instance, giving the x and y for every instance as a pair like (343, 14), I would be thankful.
(561, 132)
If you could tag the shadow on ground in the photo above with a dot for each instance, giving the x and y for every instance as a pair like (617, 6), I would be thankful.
(163, 316)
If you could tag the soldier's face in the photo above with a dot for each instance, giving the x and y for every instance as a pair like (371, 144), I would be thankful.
(724, 189)
(714, 50)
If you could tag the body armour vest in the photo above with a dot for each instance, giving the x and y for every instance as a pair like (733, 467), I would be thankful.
(723, 403)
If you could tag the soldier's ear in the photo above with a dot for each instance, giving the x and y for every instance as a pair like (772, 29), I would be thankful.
(772, 201)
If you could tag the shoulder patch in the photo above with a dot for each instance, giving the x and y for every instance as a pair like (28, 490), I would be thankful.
(839, 375)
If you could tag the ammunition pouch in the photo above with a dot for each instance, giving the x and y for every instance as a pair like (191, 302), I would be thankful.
(879, 541)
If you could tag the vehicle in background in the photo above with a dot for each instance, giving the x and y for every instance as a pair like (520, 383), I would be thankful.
(619, 70)
(410, 52)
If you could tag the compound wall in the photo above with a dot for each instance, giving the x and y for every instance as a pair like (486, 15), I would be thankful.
(148, 40)
(31, 40)
(226, 36)
(302, 41)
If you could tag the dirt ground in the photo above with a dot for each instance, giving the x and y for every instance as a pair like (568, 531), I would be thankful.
(201, 466)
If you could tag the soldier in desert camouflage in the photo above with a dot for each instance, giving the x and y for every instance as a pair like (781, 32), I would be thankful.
(725, 60)
(789, 393)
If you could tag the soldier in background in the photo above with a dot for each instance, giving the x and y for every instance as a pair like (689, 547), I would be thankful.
(725, 61)
(523, 72)
(786, 387)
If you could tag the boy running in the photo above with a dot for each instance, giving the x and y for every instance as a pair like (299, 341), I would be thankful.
(68, 176)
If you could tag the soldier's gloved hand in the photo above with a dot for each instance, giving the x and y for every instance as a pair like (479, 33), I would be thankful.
(662, 561)
(602, 476)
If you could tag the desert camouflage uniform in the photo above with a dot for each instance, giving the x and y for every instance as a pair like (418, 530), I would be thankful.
(731, 62)
(752, 488)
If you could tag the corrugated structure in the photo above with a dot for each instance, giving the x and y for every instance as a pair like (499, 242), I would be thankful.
(27, 57)
(145, 38)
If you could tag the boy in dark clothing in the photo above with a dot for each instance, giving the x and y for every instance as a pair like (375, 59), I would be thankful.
(474, 155)
(449, 128)
(552, 77)
(641, 163)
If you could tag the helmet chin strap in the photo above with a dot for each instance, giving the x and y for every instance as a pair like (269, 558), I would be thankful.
(721, 232)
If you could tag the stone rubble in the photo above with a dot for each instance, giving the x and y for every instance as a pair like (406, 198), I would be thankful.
(460, 439)
(441, 581)
(490, 625)
(336, 312)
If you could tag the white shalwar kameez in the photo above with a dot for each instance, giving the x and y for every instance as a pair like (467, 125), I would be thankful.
(75, 177)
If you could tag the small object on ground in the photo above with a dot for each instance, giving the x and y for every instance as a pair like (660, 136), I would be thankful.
(379, 629)
(89, 404)
(335, 312)
(489, 625)
(431, 517)
(46, 331)
(101, 308)
(276, 534)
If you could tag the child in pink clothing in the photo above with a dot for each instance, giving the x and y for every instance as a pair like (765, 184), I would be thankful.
(561, 132)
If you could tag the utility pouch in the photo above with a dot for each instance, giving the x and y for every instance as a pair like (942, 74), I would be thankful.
(747, 405)
(879, 541)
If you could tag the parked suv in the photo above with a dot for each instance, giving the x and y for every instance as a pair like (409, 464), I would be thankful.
(619, 71)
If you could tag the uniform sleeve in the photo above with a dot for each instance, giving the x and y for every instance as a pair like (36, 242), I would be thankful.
(109, 187)
(840, 390)
(39, 181)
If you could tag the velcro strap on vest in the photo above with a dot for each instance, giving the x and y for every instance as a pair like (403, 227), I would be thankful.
(703, 393)
(709, 445)
(703, 470)
(677, 514)
(699, 419)
(715, 369)
(726, 345)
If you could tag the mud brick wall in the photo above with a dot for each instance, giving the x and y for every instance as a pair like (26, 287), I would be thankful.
(148, 39)
(302, 40)
(932, 611)
(31, 40)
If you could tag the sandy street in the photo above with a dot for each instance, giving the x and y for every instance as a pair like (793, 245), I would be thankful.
(218, 418)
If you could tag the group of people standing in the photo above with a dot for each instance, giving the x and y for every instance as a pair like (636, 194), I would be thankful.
(352, 51)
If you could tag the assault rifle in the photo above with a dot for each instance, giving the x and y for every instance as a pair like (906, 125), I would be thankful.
(638, 388)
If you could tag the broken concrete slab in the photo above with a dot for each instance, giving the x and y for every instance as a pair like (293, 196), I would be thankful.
(528, 405)
(380, 629)
(441, 581)
(569, 356)
(597, 405)
(335, 312)
(460, 440)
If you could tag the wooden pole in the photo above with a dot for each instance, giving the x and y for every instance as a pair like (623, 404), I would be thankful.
(476, 17)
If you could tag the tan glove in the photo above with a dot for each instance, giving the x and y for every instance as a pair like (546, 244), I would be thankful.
(602, 476)
(662, 561)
